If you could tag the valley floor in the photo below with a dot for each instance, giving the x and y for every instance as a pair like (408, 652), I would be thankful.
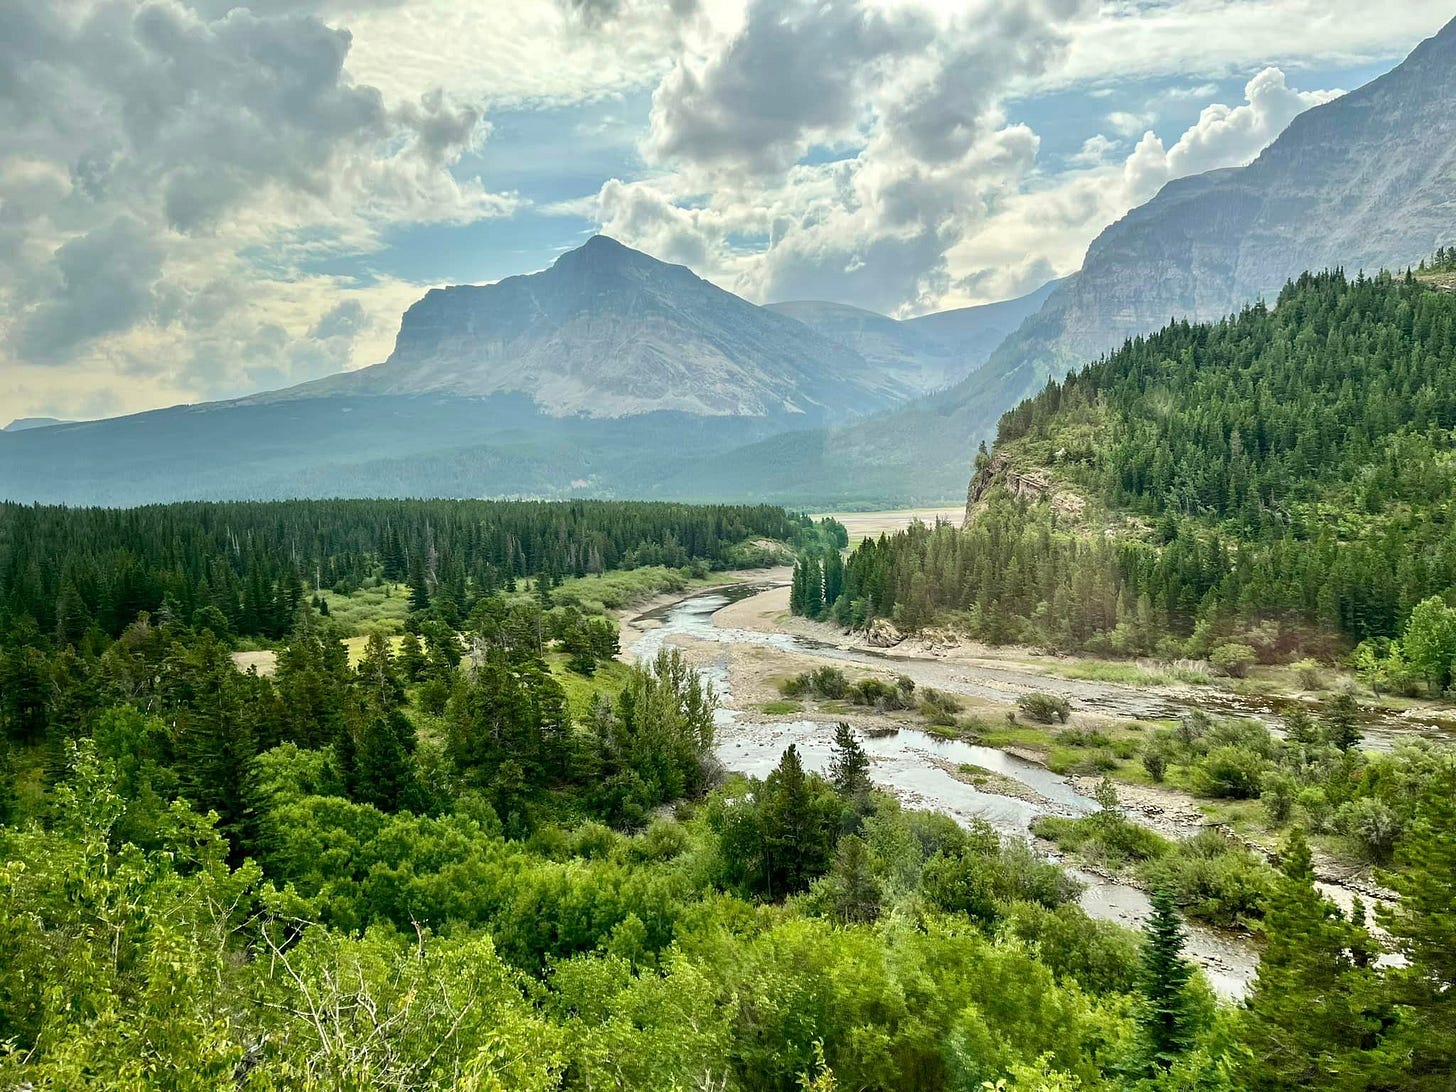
(744, 637)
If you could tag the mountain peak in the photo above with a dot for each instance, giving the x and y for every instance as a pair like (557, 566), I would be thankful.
(603, 254)
(608, 331)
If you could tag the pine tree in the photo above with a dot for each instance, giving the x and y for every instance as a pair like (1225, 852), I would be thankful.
(9, 801)
(1423, 925)
(384, 773)
(799, 826)
(411, 659)
(849, 766)
(1341, 722)
(1315, 1018)
(216, 741)
(1165, 1019)
(856, 891)
(419, 585)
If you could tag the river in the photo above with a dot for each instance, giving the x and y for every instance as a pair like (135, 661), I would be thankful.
(910, 764)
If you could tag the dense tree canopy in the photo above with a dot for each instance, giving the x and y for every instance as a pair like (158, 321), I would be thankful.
(244, 567)
(1275, 479)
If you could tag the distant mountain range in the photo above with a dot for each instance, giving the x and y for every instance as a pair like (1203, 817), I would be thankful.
(608, 331)
(614, 374)
(603, 375)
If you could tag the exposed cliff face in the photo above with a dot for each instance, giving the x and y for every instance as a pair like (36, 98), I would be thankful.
(1363, 182)
(1029, 484)
(608, 331)
(1367, 181)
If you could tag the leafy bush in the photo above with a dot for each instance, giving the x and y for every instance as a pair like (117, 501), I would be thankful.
(1105, 838)
(1233, 659)
(1155, 760)
(1310, 675)
(879, 694)
(938, 707)
(1371, 824)
(1316, 808)
(1045, 708)
(1278, 796)
(823, 682)
(1232, 773)
(1214, 879)
(1083, 737)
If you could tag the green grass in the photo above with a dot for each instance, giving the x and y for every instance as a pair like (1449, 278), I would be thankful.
(355, 646)
(1003, 733)
(1128, 674)
(370, 610)
(620, 590)
(611, 676)
(780, 708)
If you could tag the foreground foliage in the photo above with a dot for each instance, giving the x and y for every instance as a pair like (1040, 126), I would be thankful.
(493, 857)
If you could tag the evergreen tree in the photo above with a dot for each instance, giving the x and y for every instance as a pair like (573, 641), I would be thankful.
(1315, 1018)
(1165, 1018)
(216, 742)
(1423, 926)
(411, 658)
(855, 891)
(9, 801)
(1341, 722)
(801, 821)
(849, 766)
(384, 774)
(419, 600)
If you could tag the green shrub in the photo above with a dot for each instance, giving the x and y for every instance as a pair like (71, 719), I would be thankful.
(1310, 675)
(1233, 659)
(1278, 795)
(1316, 808)
(1082, 737)
(1214, 879)
(828, 683)
(1155, 761)
(1045, 708)
(1371, 824)
(1106, 838)
(938, 707)
(1232, 773)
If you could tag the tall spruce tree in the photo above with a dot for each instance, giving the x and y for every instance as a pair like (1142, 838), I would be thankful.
(1165, 1016)
(1315, 1018)
(1423, 926)
(849, 768)
(419, 599)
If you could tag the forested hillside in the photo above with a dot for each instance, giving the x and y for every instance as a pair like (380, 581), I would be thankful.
(66, 571)
(484, 853)
(1281, 479)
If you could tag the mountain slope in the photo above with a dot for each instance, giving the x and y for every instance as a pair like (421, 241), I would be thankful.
(608, 331)
(610, 374)
(1279, 482)
(359, 446)
(22, 424)
(1365, 181)
(921, 354)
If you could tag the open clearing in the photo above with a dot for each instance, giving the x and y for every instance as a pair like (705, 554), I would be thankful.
(862, 525)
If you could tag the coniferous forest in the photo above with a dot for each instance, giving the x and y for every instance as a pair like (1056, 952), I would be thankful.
(1080, 717)
(1280, 480)
(487, 854)
(67, 571)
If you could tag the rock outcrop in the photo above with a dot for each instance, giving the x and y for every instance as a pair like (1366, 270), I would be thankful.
(1029, 484)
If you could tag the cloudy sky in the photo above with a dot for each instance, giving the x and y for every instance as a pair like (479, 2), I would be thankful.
(200, 199)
